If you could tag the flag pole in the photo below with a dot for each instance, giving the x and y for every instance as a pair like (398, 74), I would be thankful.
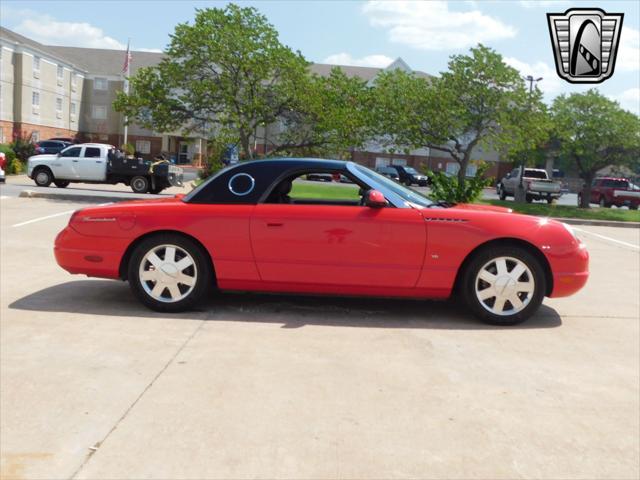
(127, 71)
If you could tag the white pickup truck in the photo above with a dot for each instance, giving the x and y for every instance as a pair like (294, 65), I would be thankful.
(98, 163)
(536, 182)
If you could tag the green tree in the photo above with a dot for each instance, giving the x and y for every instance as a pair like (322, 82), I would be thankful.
(594, 132)
(330, 115)
(478, 101)
(227, 75)
(227, 72)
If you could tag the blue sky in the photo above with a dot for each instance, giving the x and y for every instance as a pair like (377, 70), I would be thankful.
(368, 33)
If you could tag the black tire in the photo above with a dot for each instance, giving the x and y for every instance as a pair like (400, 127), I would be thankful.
(407, 183)
(43, 177)
(549, 200)
(156, 190)
(140, 184)
(603, 202)
(61, 183)
(528, 198)
(502, 194)
(633, 207)
(203, 269)
(480, 259)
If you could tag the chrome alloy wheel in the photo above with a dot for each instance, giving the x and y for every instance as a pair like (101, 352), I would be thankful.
(42, 177)
(504, 286)
(168, 273)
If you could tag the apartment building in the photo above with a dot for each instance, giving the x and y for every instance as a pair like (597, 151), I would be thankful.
(50, 91)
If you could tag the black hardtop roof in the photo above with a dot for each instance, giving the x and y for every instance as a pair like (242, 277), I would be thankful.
(297, 162)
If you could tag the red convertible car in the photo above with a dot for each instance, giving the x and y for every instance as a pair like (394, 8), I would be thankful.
(245, 229)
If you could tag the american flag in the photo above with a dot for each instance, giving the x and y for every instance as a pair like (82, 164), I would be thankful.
(127, 61)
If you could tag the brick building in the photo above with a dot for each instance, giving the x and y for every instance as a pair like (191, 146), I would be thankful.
(49, 91)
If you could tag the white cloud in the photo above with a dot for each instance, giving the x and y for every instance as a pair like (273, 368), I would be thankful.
(629, 99)
(432, 26)
(50, 31)
(380, 61)
(152, 50)
(542, 3)
(628, 59)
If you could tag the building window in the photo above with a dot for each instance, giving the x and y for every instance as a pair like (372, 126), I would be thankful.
(36, 64)
(100, 83)
(73, 108)
(35, 99)
(99, 112)
(58, 104)
(60, 71)
(143, 146)
(74, 79)
(35, 136)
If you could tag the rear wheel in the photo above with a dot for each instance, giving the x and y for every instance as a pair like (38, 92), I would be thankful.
(633, 207)
(169, 273)
(504, 285)
(549, 200)
(529, 198)
(156, 190)
(501, 193)
(140, 184)
(43, 177)
(61, 183)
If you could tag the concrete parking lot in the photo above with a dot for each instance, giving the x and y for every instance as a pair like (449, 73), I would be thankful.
(93, 385)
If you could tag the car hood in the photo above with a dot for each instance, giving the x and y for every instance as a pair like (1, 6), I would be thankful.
(44, 156)
(482, 208)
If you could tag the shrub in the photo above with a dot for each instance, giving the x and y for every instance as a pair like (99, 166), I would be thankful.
(449, 189)
(216, 149)
(15, 166)
(23, 147)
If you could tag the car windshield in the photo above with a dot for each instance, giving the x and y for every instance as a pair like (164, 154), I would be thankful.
(410, 170)
(407, 194)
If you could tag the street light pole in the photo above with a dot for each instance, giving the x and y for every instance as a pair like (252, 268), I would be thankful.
(521, 194)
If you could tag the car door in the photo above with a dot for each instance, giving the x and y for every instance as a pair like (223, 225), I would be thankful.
(92, 165)
(66, 166)
(338, 245)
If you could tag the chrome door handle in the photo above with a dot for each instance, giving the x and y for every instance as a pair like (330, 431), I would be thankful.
(75, 161)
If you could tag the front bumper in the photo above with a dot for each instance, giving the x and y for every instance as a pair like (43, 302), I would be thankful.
(94, 257)
(570, 271)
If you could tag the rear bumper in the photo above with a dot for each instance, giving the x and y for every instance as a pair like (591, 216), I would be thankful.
(91, 256)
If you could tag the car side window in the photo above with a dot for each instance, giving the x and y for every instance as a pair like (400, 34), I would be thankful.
(73, 152)
(92, 152)
(317, 188)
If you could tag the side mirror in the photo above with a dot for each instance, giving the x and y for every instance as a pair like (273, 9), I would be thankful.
(374, 199)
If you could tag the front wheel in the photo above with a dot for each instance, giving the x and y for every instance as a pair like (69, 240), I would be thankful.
(61, 183)
(140, 184)
(43, 177)
(169, 273)
(603, 202)
(504, 285)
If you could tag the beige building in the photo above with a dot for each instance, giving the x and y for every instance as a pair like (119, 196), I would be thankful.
(48, 91)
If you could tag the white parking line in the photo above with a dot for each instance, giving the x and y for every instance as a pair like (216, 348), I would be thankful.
(43, 218)
(608, 238)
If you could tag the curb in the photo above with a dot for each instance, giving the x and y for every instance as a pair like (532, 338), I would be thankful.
(79, 197)
(597, 223)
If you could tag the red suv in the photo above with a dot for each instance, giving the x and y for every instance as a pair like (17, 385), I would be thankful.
(608, 191)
